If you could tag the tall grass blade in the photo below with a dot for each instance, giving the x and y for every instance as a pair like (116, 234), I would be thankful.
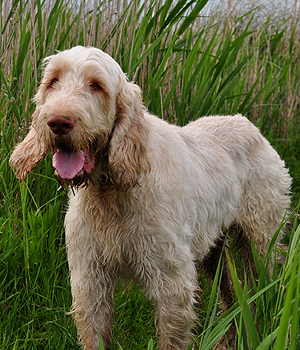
(150, 345)
(10, 96)
(268, 342)
(295, 314)
(282, 337)
(192, 16)
(245, 310)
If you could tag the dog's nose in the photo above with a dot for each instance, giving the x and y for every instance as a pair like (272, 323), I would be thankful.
(61, 124)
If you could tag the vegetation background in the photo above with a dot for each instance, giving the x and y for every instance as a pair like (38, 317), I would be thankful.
(191, 58)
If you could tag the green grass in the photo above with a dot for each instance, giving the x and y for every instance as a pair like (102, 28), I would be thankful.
(188, 67)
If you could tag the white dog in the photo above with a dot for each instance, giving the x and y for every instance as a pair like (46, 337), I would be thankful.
(150, 200)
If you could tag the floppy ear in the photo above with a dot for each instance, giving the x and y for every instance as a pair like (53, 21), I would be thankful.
(27, 154)
(127, 155)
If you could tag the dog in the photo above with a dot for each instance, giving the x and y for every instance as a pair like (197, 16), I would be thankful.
(150, 200)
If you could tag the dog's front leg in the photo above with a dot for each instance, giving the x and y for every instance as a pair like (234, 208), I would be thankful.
(175, 314)
(93, 305)
(172, 288)
(92, 281)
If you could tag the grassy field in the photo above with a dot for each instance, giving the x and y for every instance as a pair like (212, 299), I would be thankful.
(188, 66)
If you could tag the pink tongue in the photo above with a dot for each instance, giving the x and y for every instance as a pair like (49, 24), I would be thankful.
(68, 164)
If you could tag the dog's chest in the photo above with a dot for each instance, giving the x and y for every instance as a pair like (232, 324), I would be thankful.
(113, 223)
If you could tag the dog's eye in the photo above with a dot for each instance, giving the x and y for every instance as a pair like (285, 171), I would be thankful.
(96, 86)
(53, 82)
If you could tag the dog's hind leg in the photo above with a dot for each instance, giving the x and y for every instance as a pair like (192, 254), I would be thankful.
(265, 199)
(210, 265)
(260, 216)
(242, 245)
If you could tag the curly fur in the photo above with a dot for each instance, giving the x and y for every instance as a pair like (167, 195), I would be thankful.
(159, 198)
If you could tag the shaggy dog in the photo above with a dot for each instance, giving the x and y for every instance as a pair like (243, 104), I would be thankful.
(150, 200)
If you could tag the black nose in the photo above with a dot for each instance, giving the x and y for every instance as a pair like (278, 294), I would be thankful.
(61, 124)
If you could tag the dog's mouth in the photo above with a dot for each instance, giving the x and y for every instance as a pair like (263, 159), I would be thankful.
(78, 168)
(69, 164)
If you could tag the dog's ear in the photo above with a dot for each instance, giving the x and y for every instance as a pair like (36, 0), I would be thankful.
(127, 155)
(27, 154)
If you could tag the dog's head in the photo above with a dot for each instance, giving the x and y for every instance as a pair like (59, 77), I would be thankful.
(91, 119)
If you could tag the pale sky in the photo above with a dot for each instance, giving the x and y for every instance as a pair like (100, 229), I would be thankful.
(242, 6)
